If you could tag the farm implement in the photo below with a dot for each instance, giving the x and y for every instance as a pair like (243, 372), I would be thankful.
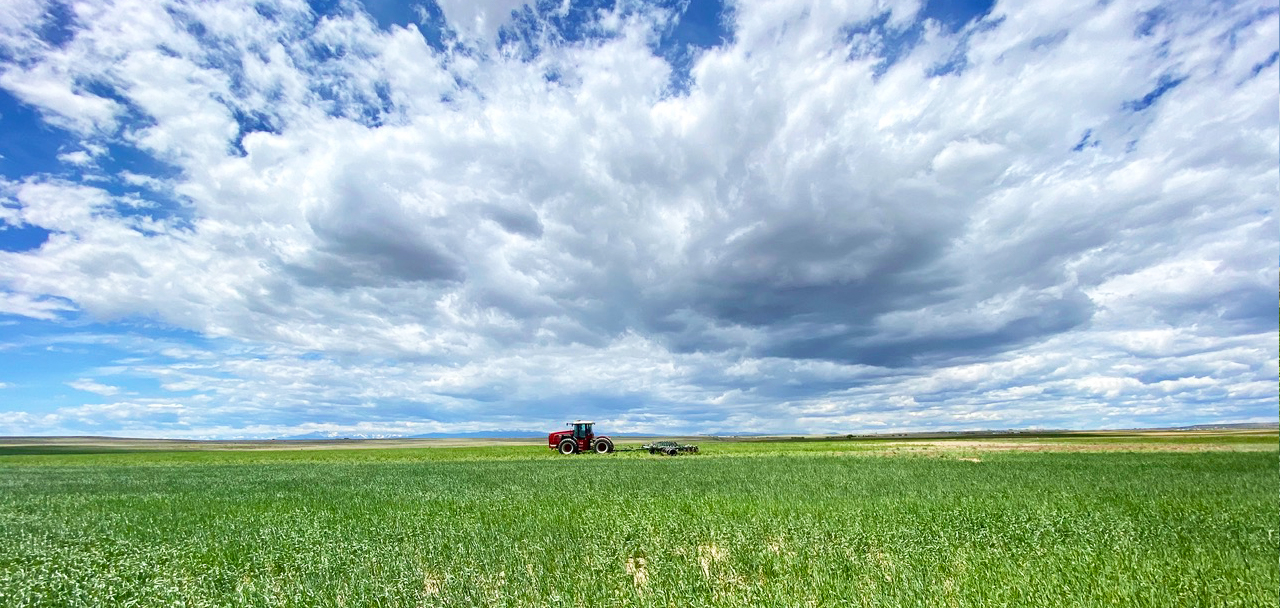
(582, 438)
(669, 448)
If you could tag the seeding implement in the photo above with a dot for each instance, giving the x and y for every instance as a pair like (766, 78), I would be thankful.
(669, 448)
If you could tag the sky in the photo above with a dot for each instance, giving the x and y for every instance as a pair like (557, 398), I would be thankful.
(242, 219)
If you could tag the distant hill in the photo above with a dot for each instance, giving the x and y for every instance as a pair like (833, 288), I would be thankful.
(514, 434)
(1226, 427)
(508, 434)
(532, 434)
(517, 434)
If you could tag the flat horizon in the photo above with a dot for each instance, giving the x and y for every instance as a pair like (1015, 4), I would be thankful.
(1225, 426)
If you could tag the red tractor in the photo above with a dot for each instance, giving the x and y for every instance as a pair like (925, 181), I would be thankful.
(580, 439)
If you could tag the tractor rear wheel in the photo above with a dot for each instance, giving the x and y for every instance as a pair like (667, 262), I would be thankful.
(567, 446)
(603, 446)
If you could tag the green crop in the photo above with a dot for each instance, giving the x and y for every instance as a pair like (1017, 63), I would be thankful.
(768, 524)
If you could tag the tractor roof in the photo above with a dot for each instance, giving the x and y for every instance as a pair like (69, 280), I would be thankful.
(582, 422)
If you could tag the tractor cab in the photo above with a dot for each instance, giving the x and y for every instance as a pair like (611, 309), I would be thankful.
(581, 438)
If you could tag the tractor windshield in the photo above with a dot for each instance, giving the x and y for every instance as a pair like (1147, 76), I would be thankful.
(580, 431)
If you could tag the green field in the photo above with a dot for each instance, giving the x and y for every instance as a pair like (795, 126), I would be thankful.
(1112, 521)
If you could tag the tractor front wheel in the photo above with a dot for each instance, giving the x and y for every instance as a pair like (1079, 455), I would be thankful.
(603, 446)
(568, 446)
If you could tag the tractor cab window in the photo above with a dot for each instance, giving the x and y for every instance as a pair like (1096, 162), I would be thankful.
(579, 431)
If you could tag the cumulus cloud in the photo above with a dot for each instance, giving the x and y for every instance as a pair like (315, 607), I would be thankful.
(850, 215)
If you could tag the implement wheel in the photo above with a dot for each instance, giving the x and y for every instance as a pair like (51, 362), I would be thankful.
(567, 446)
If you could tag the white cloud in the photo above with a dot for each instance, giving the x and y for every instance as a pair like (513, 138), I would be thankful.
(479, 18)
(33, 307)
(64, 104)
(483, 232)
(78, 157)
(92, 386)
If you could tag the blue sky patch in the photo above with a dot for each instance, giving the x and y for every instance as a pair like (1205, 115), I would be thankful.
(1264, 64)
(874, 38)
(29, 144)
(434, 28)
(1148, 21)
(21, 238)
(699, 25)
(1164, 85)
(1087, 140)
(392, 13)
(958, 14)
(57, 27)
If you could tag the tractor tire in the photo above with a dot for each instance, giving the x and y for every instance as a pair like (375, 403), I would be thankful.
(567, 447)
(602, 446)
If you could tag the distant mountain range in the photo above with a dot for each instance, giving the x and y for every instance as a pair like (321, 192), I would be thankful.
(515, 434)
(511, 434)
(529, 434)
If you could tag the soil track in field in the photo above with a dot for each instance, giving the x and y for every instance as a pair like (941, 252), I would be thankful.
(1262, 442)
